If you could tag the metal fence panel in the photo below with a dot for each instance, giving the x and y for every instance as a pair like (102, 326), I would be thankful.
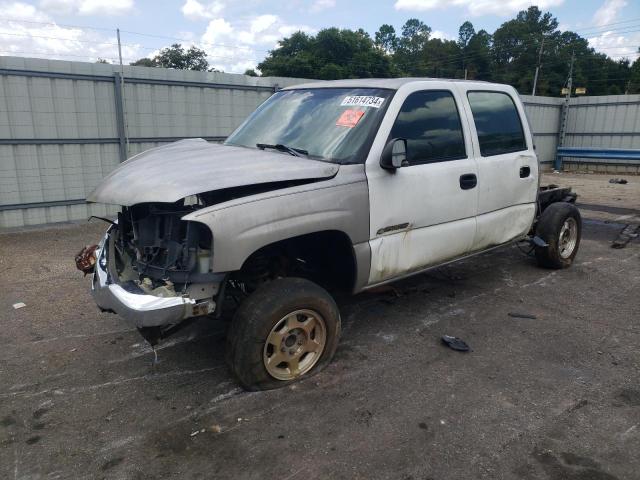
(544, 119)
(63, 126)
(608, 121)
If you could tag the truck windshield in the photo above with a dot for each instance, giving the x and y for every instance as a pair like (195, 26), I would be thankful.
(331, 124)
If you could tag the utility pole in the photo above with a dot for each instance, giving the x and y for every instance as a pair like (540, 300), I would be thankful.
(565, 111)
(126, 129)
(535, 78)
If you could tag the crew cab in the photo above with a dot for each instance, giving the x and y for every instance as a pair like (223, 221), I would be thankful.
(327, 187)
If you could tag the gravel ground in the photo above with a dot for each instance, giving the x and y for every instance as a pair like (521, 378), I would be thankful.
(553, 397)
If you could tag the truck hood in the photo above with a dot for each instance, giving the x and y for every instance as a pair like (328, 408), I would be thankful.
(172, 172)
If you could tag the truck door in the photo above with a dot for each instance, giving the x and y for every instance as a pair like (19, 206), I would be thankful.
(423, 213)
(507, 165)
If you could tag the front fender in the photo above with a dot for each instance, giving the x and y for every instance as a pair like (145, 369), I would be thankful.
(241, 228)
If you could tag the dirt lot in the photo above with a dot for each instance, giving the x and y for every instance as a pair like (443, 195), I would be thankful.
(555, 397)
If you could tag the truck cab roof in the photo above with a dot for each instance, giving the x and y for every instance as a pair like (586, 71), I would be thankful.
(388, 83)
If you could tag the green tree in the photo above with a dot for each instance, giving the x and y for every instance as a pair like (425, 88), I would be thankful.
(516, 45)
(386, 39)
(479, 58)
(409, 55)
(178, 58)
(465, 33)
(509, 55)
(251, 72)
(144, 62)
(442, 59)
(329, 55)
(633, 85)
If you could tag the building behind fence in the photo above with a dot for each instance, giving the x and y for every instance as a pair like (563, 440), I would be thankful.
(65, 125)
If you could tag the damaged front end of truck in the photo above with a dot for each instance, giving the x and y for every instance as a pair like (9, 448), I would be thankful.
(154, 269)
(153, 266)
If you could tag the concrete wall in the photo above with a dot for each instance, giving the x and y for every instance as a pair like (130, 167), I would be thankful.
(62, 126)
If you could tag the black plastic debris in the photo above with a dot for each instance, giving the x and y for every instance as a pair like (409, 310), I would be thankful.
(621, 181)
(522, 315)
(628, 233)
(538, 242)
(455, 343)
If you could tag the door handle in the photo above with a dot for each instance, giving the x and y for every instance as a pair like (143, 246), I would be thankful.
(525, 171)
(468, 181)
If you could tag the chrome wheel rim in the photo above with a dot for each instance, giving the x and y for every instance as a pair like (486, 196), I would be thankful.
(295, 344)
(568, 237)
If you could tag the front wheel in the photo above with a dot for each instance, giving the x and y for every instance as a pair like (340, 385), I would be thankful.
(560, 226)
(286, 330)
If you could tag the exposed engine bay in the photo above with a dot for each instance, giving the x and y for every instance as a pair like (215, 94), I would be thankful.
(157, 253)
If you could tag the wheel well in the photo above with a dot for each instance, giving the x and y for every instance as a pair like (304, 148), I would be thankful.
(326, 258)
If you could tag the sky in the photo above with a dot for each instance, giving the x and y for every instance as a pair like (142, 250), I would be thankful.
(237, 35)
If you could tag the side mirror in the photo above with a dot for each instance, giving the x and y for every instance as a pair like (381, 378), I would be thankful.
(394, 154)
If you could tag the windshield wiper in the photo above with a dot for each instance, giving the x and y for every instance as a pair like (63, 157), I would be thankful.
(296, 152)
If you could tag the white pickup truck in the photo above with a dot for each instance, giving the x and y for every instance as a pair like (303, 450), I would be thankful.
(326, 187)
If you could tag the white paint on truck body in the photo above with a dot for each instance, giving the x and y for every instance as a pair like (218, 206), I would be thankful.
(445, 221)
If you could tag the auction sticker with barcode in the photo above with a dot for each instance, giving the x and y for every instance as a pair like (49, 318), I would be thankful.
(362, 101)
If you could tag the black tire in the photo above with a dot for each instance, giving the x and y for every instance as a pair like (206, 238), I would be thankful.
(549, 229)
(261, 312)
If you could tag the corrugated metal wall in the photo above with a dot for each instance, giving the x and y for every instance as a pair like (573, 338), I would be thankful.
(611, 121)
(543, 114)
(62, 126)
(59, 126)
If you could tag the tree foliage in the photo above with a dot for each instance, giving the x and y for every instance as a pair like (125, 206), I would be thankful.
(509, 55)
(331, 54)
(178, 58)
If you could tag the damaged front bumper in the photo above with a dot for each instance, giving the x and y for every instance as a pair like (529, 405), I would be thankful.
(141, 309)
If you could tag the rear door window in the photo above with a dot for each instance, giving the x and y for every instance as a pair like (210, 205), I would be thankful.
(497, 123)
(430, 123)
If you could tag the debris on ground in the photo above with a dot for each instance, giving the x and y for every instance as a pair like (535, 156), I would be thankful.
(621, 181)
(628, 232)
(216, 428)
(86, 259)
(385, 289)
(18, 305)
(455, 343)
(522, 315)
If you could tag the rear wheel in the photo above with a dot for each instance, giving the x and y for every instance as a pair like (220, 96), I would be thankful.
(560, 226)
(286, 330)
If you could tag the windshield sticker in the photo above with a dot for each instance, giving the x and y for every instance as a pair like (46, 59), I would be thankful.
(350, 118)
(362, 101)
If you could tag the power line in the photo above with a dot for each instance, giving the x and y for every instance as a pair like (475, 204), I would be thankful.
(602, 28)
(84, 27)
(428, 63)
(88, 42)
(249, 48)
(186, 40)
(13, 52)
(166, 37)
